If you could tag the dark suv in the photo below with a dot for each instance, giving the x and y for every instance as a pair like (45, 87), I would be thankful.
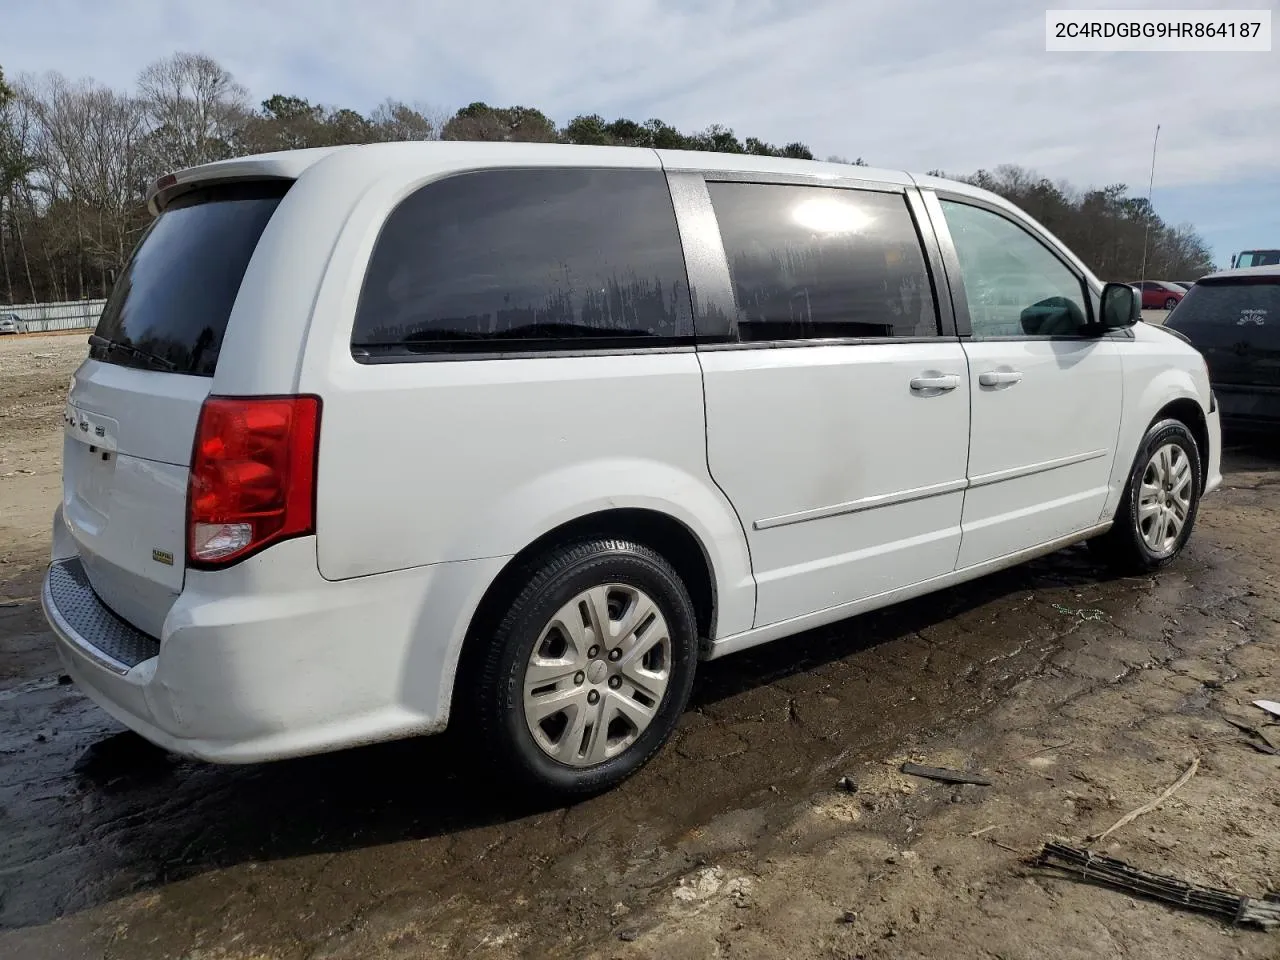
(1233, 318)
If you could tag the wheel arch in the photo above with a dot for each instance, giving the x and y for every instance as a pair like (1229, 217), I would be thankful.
(660, 531)
(1156, 389)
(1188, 411)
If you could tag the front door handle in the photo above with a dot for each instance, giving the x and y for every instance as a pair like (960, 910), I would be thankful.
(998, 378)
(948, 381)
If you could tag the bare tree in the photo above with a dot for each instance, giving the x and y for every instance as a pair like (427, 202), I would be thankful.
(87, 141)
(394, 120)
(87, 175)
(16, 165)
(194, 109)
(76, 157)
(11, 164)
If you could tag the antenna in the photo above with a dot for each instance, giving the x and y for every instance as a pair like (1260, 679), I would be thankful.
(1150, 210)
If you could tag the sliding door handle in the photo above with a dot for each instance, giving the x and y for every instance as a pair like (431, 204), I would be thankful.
(947, 381)
(999, 378)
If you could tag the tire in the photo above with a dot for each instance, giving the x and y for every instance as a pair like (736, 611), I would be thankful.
(570, 752)
(1133, 545)
(1171, 303)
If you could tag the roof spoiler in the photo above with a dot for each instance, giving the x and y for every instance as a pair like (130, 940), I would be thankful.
(285, 165)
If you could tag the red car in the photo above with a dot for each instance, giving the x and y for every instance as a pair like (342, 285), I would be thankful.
(1159, 295)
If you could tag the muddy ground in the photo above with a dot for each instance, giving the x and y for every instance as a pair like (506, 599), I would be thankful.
(1080, 697)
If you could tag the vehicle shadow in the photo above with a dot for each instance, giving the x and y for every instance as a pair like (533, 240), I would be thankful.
(814, 649)
(1250, 450)
(1243, 453)
(91, 813)
(143, 819)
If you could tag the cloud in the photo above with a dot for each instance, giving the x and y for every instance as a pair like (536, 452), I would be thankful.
(913, 84)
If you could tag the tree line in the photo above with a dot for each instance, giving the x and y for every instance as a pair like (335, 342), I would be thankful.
(76, 158)
(1110, 229)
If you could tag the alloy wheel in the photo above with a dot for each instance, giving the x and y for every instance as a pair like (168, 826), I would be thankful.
(1164, 498)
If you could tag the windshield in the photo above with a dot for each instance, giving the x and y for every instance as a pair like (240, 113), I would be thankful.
(172, 302)
(1258, 258)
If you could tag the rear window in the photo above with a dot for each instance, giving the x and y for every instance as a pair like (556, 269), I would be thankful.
(505, 260)
(1237, 302)
(174, 297)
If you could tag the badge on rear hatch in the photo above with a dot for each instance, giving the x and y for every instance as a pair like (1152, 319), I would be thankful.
(162, 556)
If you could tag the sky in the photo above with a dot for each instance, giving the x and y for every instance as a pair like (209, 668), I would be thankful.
(955, 85)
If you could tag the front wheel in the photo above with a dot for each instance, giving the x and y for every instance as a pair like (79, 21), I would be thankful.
(590, 669)
(1159, 505)
(1171, 303)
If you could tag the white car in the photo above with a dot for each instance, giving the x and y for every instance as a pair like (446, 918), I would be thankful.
(396, 436)
(9, 323)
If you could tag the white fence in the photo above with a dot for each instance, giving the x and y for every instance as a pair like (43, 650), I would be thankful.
(44, 317)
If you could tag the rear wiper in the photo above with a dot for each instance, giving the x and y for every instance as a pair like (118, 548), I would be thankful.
(136, 352)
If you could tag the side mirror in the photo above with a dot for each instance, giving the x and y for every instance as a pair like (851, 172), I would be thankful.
(1120, 306)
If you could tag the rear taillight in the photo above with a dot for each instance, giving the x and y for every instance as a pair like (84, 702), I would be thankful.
(252, 476)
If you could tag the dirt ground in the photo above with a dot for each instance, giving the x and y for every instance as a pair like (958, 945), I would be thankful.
(1080, 698)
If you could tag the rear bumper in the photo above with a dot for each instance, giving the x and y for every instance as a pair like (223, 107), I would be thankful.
(268, 660)
(1245, 407)
(81, 620)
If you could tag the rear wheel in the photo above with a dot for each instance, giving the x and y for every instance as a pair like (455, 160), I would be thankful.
(1171, 303)
(1159, 505)
(590, 669)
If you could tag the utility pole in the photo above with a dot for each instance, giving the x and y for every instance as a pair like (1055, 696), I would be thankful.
(1150, 210)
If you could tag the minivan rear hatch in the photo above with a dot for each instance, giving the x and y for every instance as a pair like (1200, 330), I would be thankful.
(134, 404)
(1235, 322)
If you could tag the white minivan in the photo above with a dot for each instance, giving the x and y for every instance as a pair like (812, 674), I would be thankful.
(374, 439)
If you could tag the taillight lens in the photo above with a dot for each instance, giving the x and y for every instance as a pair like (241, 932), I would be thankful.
(252, 476)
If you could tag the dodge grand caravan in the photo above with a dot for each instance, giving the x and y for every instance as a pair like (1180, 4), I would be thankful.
(374, 439)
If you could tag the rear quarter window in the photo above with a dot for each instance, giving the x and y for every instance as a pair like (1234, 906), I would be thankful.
(520, 260)
(174, 297)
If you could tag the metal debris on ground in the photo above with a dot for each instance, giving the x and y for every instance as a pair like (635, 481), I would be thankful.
(1260, 742)
(1266, 748)
(1270, 706)
(1133, 815)
(944, 775)
(1084, 613)
(1095, 868)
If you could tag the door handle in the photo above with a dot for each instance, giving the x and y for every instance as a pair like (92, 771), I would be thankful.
(997, 378)
(948, 381)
